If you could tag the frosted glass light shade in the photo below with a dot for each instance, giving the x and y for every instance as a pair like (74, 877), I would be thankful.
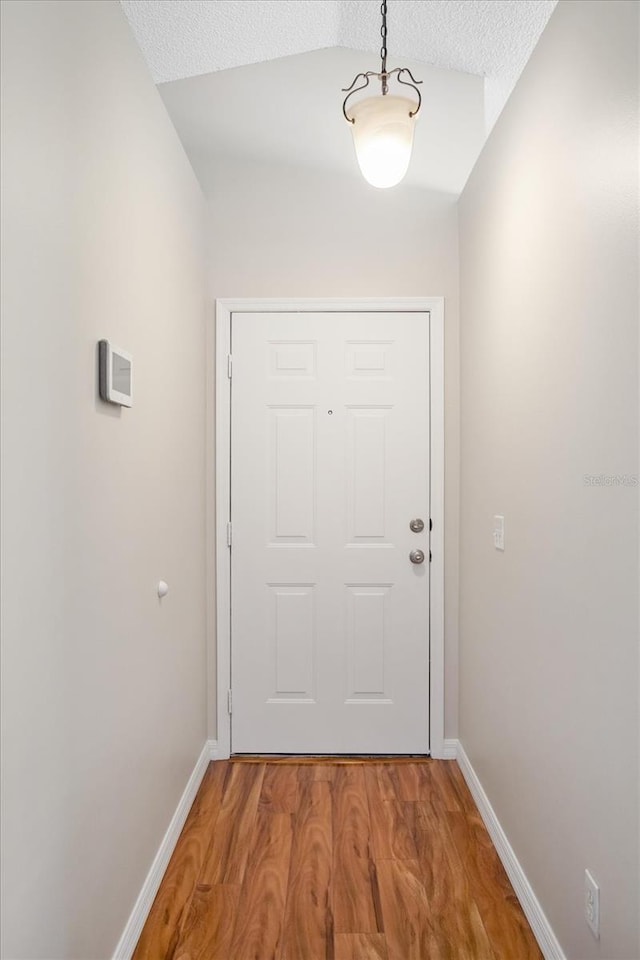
(383, 138)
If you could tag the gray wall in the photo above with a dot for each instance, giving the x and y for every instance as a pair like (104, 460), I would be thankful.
(103, 699)
(293, 232)
(549, 373)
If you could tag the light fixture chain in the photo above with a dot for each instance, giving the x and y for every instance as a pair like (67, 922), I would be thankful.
(361, 80)
(383, 49)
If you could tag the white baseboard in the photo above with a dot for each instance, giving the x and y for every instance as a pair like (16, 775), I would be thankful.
(140, 912)
(450, 751)
(534, 913)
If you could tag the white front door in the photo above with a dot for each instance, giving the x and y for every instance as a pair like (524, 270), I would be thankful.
(329, 465)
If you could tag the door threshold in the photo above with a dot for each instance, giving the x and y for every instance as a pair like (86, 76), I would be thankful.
(336, 759)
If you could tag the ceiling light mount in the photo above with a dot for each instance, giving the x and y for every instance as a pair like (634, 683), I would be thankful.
(383, 125)
(383, 77)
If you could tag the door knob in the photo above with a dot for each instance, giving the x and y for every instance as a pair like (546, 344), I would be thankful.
(416, 556)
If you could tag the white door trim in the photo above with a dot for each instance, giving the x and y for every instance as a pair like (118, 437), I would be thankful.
(219, 475)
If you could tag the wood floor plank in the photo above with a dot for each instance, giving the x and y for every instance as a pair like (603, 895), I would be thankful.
(361, 946)
(455, 918)
(405, 908)
(446, 789)
(167, 915)
(409, 782)
(391, 836)
(454, 775)
(354, 877)
(279, 789)
(388, 783)
(226, 858)
(316, 771)
(498, 907)
(210, 923)
(308, 924)
(258, 930)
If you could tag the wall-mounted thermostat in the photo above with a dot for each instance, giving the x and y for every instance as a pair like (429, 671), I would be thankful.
(115, 374)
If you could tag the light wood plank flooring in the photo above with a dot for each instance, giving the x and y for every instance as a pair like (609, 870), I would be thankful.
(335, 861)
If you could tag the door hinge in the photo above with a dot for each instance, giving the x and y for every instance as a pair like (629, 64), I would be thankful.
(229, 365)
(229, 533)
(229, 703)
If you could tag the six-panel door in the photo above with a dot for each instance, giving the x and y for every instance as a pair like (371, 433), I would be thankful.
(329, 464)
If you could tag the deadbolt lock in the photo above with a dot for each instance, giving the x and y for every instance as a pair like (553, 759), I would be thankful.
(417, 525)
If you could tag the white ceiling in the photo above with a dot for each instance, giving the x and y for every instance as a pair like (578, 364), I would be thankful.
(489, 38)
(289, 111)
(261, 79)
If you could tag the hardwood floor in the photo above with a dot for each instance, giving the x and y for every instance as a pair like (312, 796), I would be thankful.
(358, 860)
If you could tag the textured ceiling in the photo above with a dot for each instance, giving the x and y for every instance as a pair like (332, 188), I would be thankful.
(491, 38)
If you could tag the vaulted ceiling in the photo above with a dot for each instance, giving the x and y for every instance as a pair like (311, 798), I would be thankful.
(260, 80)
(489, 38)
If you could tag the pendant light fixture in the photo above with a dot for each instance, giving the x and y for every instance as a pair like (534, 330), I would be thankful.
(383, 125)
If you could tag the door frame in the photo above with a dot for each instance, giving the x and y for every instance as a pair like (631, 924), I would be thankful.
(219, 477)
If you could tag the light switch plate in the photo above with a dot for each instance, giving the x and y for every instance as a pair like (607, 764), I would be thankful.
(592, 904)
(498, 532)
